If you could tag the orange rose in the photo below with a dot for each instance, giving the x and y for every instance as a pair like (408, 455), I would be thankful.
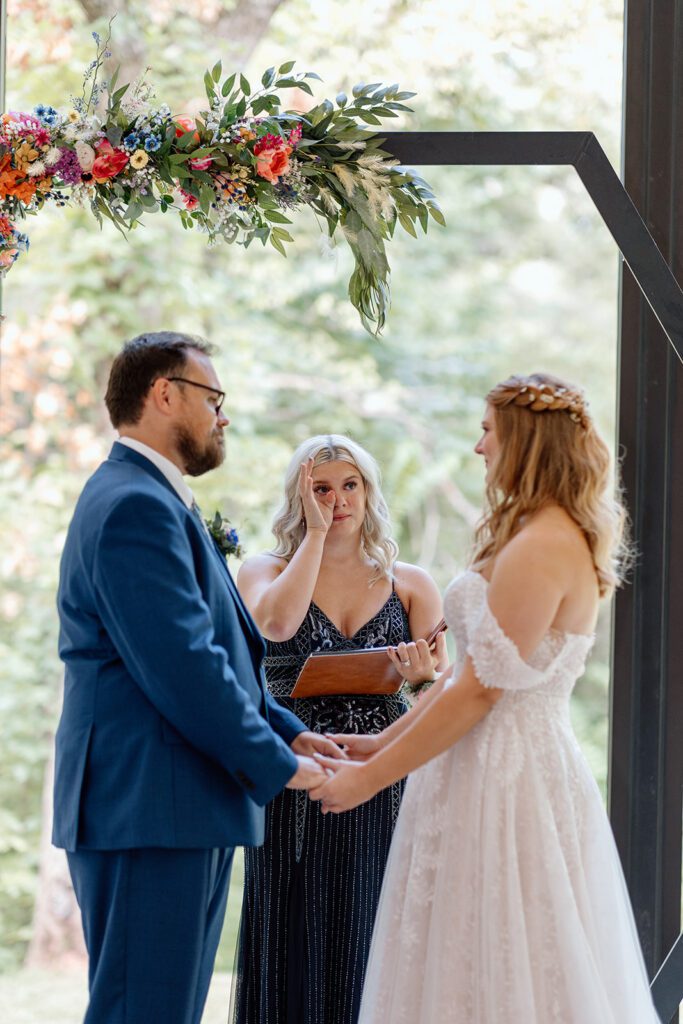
(271, 164)
(109, 162)
(187, 124)
(13, 183)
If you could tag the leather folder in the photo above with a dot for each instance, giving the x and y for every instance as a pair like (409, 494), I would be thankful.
(366, 671)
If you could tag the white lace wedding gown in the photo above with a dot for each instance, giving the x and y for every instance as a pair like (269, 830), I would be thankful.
(503, 900)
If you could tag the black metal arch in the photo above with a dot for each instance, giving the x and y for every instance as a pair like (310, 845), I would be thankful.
(583, 152)
(637, 766)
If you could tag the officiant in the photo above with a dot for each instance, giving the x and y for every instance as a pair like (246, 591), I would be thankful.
(331, 584)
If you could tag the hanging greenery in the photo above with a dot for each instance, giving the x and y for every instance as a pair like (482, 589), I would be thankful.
(235, 171)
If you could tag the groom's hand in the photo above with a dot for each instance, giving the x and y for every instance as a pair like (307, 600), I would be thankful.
(308, 775)
(309, 743)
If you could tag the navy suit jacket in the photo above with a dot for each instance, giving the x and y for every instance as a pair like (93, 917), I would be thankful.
(168, 736)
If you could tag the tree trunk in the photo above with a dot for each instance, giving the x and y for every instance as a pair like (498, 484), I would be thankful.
(57, 936)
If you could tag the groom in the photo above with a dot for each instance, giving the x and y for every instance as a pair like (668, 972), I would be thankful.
(169, 745)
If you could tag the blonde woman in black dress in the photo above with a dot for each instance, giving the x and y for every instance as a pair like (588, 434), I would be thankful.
(331, 584)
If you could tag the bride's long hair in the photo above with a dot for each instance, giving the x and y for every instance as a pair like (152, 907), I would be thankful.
(550, 451)
(288, 526)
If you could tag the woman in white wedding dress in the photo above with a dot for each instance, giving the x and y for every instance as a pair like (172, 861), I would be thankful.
(503, 900)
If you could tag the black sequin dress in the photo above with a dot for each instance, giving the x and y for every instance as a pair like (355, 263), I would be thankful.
(311, 891)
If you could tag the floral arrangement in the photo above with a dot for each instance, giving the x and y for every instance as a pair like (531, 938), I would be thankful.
(235, 171)
(225, 536)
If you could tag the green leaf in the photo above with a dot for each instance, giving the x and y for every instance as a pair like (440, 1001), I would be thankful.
(268, 77)
(281, 233)
(228, 84)
(285, 68)
(206, 198)
(437, 214)
(277, 244)
(407, 224)
(365, 115)
(276, 217)
(244, 86)
(217, 71)
(208, 85)
(133, 210)
(312, 74)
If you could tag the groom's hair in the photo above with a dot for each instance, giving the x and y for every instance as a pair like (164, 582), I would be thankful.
(139, 363)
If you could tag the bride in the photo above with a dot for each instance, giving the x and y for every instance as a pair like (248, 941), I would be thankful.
(503, 900)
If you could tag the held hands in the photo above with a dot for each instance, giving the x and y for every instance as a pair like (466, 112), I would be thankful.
(355, 746)
(308, 744)
(347, 784)
(417, 662)
(310, 772)
(308, 775)
(318, 510)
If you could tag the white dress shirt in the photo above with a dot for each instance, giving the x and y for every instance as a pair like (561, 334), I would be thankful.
(168, 468)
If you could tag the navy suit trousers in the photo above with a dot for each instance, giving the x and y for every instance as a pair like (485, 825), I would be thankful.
(152, 920)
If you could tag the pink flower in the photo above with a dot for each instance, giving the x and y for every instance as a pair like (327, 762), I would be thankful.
(109, 161)
(190, 201)
(202, 164)
(271, 164)
(185, 124)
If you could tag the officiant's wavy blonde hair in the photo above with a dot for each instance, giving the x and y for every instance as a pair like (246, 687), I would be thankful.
(289, 528)
(550, 451)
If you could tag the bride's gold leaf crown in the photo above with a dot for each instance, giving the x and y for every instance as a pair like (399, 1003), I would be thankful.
(537, 396)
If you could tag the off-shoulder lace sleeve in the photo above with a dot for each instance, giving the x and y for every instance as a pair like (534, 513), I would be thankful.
(496, 659)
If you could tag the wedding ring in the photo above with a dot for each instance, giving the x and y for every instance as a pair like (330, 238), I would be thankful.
(405, 662)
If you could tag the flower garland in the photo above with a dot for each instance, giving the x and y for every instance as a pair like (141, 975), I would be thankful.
(234, 172)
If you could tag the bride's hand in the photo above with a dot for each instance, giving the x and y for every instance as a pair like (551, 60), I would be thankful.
(318, 511)
(342, 790)
(357, 747)
(416, 662)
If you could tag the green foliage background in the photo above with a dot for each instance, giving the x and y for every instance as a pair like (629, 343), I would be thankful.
(524, 277)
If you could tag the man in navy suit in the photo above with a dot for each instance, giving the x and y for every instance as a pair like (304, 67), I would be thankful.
(169, 744)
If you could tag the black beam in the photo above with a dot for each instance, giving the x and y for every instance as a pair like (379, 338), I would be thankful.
(582, 151)
(667, 983)
(647, 696)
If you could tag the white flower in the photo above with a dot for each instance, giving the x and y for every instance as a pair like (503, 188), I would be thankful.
(52, 156)
(36, 169)
(85, 155)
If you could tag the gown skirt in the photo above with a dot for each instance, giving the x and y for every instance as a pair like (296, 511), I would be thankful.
(504, 900)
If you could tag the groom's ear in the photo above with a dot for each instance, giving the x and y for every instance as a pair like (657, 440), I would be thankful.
(162, 397)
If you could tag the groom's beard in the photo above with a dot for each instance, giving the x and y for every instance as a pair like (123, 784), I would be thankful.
(198, 458)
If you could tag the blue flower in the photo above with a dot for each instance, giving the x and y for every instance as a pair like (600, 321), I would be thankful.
(46, 115)
(152, 143)
(131, 141)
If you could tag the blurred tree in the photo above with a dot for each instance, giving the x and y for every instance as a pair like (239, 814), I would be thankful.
(523, 277)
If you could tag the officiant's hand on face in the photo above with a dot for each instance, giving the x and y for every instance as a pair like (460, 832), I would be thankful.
(318, 507)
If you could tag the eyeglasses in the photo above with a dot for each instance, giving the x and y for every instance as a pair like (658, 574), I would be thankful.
(205, 387)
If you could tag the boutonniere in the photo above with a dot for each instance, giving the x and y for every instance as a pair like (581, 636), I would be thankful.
(225, 535)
